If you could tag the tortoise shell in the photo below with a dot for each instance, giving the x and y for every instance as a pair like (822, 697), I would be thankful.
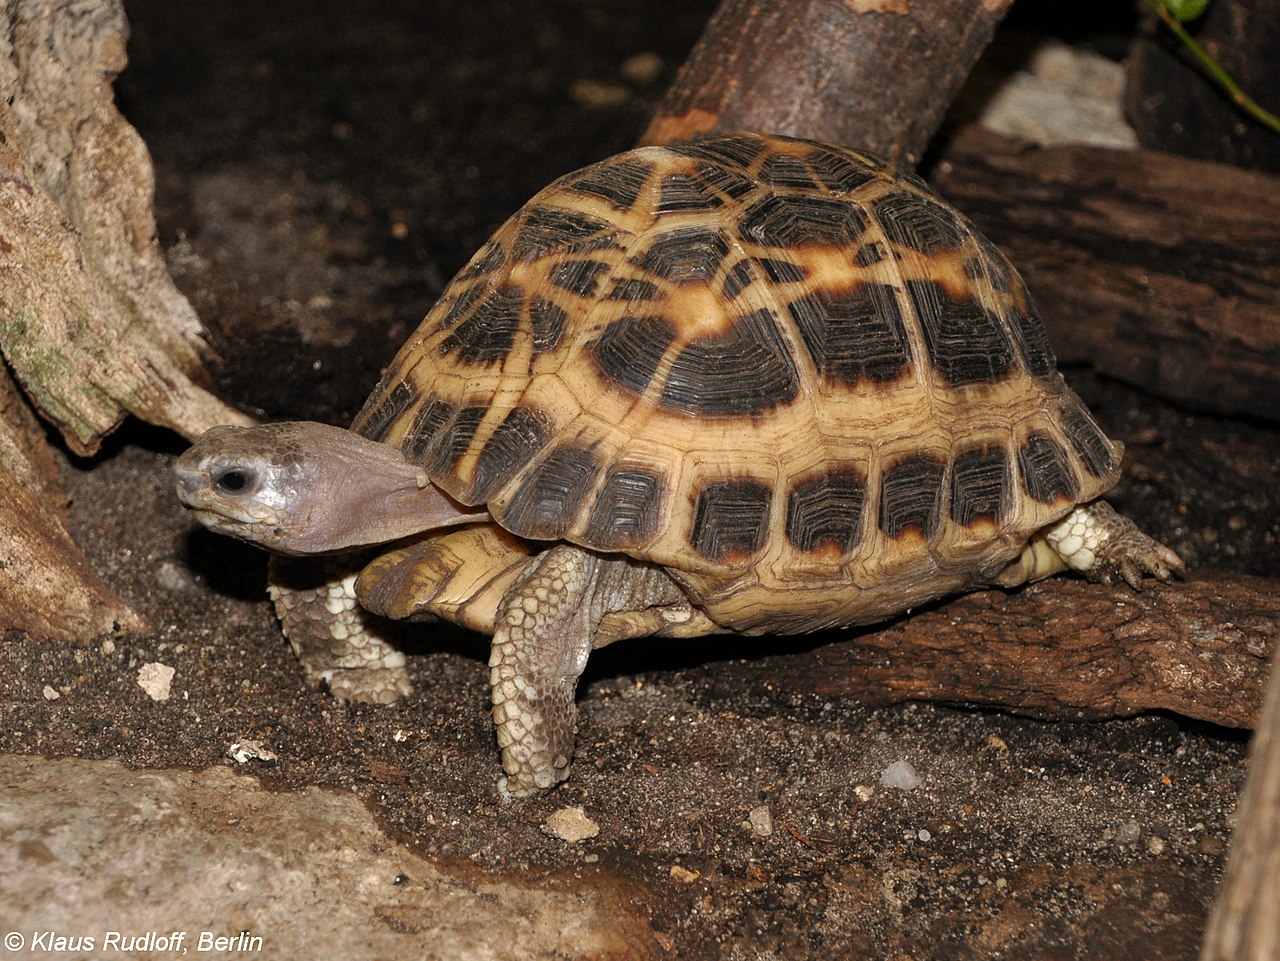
(786, 371)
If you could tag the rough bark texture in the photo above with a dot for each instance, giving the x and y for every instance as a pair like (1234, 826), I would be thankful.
(46, 586)
(90, 323)
(1245, 924)
(1158, 270)
(875, 74)
(1067, 650)
(89, 320)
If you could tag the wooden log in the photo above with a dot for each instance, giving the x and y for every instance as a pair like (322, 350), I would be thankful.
(1245, 923)
(1158, 270)
(47, 586)
(1062, 649)
(90, 321)
(874, 74)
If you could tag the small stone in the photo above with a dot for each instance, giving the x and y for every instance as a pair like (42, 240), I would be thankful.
(172, 576)
(643, 67)
(248, 749)
(1155, 845)
(571, 824)
(900, 775)
(50, 694)
(683, 875)
(154, 678)
(761, 820)
(598, 93)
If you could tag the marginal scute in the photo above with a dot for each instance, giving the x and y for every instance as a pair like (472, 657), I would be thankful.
(1046, 473)
(966, 343)
(489, 258)
(551, 493)
(825, 512)
(627, 510)
(515, 442)
(424, 429)
(981, 487)
(454, 441)
(1087, 438)
(373, 423)
(707, 376)
(911, 496)
(854, 335)
(730, 519)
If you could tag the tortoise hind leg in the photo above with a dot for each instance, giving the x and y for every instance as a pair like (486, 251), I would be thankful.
(1100, 543)
(547, 624)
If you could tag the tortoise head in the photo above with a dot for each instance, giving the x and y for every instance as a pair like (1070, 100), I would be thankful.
(305, 488)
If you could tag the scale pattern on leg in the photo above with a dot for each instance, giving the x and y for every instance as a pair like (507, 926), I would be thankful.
(1105, 545)
(336, 640)
(540, 648)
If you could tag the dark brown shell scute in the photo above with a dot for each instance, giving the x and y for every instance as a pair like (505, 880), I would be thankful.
(374, 421)
(854, 335)
(484, 335)
(825, 512)
(628, 509)
(687, 255)
(682, 193)
(911, 496)
(520, 437)
(581, 277)
(981, 485)
(792, 220)
(1033, 342)
(490, 258)
(1088, 440)
(919, 224)
(449, 445)
(548, 499)
(547, 229)
(966, 342)
(731, 519)
(428, 420)
(706, 377)
(1046, 472)
(618, 183)
(738, 152)
(630, 349)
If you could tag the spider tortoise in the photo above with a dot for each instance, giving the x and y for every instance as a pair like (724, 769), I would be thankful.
(750, 384)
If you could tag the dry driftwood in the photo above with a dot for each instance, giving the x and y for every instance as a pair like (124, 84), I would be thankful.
(1062, 649)
(90, 323)
(875, 74)
(1245, 924)
(47, 588)
(1159, 270)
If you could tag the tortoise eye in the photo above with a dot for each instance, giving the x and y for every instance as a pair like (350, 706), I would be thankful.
(233, 481)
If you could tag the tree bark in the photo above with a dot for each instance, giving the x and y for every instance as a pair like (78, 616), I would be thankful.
(1158, 270)
(1062, 649)
(90, 323)
(47, 587)
(872, 74)
(1245, 924)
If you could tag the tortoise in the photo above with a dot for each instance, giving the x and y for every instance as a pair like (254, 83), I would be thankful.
(749, 384)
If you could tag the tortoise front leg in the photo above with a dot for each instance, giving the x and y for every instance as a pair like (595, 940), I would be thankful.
(547, 625)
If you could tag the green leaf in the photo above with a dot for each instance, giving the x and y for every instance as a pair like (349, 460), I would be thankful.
(1185, 10)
